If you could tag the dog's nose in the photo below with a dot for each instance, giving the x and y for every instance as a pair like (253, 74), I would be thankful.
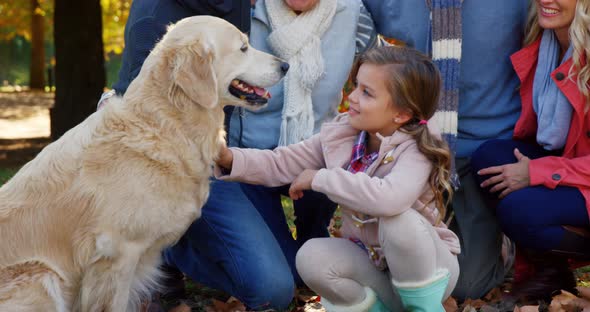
(285, 67)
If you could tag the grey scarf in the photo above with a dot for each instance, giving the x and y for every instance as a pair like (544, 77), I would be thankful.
(554, 111)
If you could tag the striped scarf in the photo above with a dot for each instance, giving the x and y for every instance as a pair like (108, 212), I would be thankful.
(446, 36)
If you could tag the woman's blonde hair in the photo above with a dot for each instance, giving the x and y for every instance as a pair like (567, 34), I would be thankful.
(414, 85)
(579, 36)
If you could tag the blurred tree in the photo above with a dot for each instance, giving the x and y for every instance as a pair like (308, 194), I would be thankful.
(37, 70)
(79, 72)
(28, 19)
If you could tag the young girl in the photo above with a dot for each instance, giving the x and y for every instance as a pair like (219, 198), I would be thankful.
(542, 176)
(389, 173)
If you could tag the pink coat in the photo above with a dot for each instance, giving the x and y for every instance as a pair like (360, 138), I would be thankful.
(395, 182)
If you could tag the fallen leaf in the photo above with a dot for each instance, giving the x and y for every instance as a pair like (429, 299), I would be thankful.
(495, 295)
(231, 305)
(476, 304)
(562, 302)
(180, 308)
(528, 308)
(469, 308)
(305, 295)
(450, 305)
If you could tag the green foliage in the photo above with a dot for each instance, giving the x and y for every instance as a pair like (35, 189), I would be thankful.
(114, 17)
(6, 174)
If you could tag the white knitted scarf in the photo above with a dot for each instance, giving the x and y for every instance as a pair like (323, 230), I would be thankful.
(297, 39)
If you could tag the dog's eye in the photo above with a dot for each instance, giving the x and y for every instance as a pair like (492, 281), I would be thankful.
(244, 48)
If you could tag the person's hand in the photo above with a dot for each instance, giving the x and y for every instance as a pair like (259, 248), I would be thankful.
(508, 178)
(301, 183)
(226, 158)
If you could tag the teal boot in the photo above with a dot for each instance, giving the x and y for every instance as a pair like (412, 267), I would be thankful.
(371, 303)
(424, 296)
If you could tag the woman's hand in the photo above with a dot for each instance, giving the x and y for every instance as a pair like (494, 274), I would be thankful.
(301, 183)
(508, 178)
(226, 158)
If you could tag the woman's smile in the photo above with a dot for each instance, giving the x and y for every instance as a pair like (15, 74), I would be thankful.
(549, 12)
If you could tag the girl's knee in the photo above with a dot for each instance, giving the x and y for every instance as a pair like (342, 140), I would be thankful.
(394, 231)
(309, 260)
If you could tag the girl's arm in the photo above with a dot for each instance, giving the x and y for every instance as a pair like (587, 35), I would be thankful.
(387, 196)
(552, 171)
(270, 167)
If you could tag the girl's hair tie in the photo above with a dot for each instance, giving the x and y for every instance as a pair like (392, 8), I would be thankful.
(423, 122)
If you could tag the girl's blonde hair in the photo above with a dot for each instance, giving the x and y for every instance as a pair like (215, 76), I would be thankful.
(414, 85)
(579, 33)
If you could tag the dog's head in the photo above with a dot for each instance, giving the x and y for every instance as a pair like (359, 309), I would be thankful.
(211, 63)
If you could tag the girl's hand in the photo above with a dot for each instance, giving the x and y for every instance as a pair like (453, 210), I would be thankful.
(508, 178)
(301, 183)
(226, 158)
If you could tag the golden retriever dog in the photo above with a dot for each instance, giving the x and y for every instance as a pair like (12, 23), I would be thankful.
(83, 224)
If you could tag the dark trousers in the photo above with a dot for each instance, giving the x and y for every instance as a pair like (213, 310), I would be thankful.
(533, 216)
(480, 260)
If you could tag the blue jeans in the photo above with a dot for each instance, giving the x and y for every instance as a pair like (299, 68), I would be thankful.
(313, 213)
(533, 216)
(231, 248)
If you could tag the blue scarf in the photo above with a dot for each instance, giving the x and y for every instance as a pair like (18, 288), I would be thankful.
(554, 111)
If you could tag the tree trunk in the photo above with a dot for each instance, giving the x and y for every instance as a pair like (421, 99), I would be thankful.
(79, 69)
(37, 72)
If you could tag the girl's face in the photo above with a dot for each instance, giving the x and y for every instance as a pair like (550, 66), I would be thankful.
(371, 107)
(556, 14)
(301, 5)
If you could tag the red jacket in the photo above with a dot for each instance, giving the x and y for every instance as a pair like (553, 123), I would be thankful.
(573, 167)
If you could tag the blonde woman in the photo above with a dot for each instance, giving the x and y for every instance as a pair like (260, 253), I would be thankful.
(542, 177)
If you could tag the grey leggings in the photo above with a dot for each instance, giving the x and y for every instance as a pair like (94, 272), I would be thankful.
(338, 270)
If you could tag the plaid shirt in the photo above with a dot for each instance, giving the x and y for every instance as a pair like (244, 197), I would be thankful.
(359, 161)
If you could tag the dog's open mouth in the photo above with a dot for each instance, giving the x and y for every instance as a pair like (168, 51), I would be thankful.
(252, 94)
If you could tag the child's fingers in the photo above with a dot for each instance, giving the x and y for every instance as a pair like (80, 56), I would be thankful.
(293, 192)
(295, 195)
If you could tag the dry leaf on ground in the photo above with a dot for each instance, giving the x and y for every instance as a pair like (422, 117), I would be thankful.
(180, 308)
(476, 304)
(450, 305)
(568, 302)
(231, 305)
(495, 295)
(528, 308)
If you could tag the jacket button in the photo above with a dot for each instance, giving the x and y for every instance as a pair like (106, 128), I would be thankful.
(559, 76)
(556, 177)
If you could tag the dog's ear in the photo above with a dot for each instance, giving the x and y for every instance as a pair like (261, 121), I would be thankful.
(193, 78)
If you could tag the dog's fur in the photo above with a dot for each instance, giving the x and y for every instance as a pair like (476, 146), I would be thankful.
(82, 225)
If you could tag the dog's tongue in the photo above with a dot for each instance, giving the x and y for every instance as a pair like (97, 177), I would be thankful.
(261, 91)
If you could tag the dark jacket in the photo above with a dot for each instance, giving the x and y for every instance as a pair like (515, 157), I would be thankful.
(147, 24)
